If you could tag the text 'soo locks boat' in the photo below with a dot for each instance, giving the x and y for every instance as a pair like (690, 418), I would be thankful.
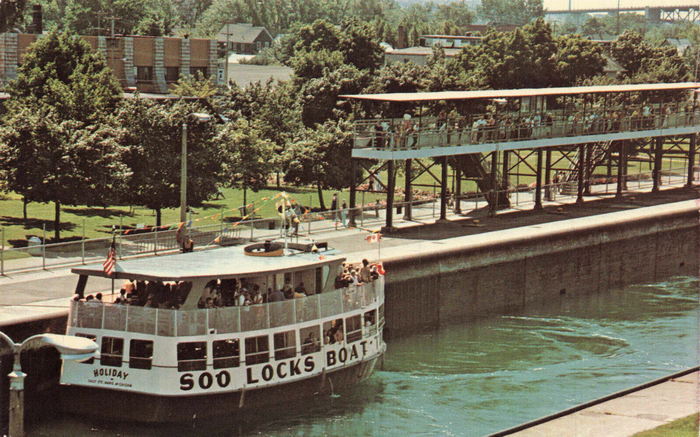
(217, 331)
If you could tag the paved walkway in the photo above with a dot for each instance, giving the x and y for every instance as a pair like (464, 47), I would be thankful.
(629, 414)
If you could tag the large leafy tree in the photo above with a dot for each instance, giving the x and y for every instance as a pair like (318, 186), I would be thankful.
(152, 137)
(248, 158)
(321, 157)
(61, 71)
(10, 11)
(517, 12)
(577, 59)
(47, 158)
(66, 84)
(645, 62)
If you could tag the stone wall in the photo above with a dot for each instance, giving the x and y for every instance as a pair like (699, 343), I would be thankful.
(468, 277)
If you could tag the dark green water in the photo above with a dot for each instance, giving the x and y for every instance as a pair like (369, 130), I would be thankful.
(477, 378)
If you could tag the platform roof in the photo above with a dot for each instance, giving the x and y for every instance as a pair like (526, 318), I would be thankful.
(525, 92)
(228, 262)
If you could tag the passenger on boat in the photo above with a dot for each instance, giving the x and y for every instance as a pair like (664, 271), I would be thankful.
(365, 272)
(276, 296)
(300, 289)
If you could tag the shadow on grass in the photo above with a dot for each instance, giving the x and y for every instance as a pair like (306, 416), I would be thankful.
(99, 212)
(34, 223)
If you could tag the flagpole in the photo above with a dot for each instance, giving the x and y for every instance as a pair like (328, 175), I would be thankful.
(113, 238)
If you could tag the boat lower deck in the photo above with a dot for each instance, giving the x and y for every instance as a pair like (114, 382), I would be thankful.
(139, 407)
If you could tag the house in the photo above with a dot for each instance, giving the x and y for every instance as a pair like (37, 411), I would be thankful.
(148, 64)
(680, 44)
(243, 38)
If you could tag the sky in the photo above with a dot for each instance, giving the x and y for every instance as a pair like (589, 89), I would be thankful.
(586, 4)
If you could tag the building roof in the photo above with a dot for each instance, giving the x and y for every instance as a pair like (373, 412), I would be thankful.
(227, 262)
(422, 51)
(525, 92)
(4, 96)
(241, 33)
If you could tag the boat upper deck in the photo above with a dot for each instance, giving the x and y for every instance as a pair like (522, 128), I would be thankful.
(222, 263)
(582, 115)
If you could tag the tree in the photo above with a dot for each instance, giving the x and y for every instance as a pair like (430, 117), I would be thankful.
(319, 97)
(46, 158)
(152, 137)
(360, 45)
(321, 157)
(644, 62)
(248, 159)
(195, 86)
(577, 59)
(61, 71)
(516, 12)
(10, 11)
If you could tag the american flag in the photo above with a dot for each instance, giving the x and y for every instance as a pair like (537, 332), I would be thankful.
(111, 262)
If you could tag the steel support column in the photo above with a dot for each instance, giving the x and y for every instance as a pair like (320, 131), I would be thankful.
(458, 191)
(587, 170)
(547, 175)
(620, 167)
(581, 172)
(504, 173)
(391, 185)
(493, 205)
(353, 193)
(538, 181)
(656, 172)
(443, 190)
(691, 160)
(408, 194)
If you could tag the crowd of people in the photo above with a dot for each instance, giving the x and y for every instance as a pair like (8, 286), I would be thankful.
(356, 274)
(507, 126)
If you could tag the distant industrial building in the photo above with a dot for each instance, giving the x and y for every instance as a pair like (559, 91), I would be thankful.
(145, 63)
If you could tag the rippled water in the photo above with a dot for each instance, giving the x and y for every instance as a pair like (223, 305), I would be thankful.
(481, 377)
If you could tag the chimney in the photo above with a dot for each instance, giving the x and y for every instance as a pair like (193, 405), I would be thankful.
(402, 40)
(36, 26)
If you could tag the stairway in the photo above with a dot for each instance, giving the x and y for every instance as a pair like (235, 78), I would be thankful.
(598, 153)
(472, 167)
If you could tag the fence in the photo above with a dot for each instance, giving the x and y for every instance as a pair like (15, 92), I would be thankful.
(179, 323)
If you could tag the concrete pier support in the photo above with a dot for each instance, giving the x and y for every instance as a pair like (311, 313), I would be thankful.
(538, 181)
(691, 160)
(408, 195)
(656, 172)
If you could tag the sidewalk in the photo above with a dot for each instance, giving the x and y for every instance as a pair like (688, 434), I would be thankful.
(31, 295)
(629, 414)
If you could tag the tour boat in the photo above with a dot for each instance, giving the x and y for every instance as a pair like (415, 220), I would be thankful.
(172, 360)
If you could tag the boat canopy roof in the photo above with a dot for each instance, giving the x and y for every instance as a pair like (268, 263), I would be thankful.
(227, 262)
(525, 92)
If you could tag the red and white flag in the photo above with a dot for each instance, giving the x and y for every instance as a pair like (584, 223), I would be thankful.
(110, 263)
(380, 269)
(373, 237)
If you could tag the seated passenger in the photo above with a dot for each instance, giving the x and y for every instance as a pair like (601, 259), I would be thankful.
(277, 296)
(300, 289)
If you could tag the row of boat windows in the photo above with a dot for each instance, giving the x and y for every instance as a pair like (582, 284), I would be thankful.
(226, 353)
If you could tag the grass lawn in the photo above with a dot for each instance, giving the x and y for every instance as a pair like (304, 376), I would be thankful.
(686, 427)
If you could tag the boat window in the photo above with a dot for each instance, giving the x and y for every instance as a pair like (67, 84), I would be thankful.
(257, 350)
(192, 356)
(354, 328)
(91, 337)
(370, 322)
(333, 332)
(311, 339)
(227, 353)
(112, 350)
(285, 345)
(140, 354)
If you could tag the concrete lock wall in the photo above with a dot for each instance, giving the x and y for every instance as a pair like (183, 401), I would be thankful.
(468, 277)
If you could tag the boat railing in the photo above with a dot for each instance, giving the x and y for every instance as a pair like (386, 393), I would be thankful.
(170, 323)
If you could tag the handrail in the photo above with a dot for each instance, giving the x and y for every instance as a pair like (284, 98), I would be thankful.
(445, 133)
(169, 323)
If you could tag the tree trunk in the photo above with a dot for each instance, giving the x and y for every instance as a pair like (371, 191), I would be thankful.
(158, 217)
(320, 197)
(244, 210)
(57, 222)
(278, 179)
(24, 208)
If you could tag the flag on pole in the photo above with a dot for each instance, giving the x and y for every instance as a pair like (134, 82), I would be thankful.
(110, 264)
(374, 237)
(380, 269)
